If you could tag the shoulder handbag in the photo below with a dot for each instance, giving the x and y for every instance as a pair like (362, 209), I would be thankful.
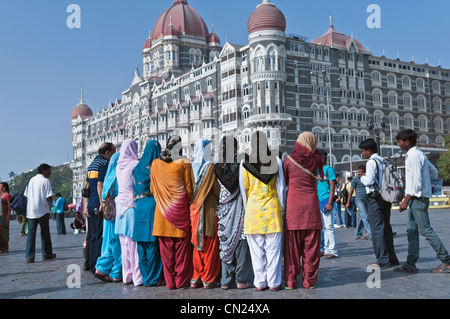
(304, 169)
(86, 192)
(109, 205)
(19, 201)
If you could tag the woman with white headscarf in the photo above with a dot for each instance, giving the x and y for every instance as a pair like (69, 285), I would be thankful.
(125, 206)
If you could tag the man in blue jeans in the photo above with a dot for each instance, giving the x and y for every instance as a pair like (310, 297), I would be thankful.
(39, 198)
(326, 189)
(419, 174)
(361, 201)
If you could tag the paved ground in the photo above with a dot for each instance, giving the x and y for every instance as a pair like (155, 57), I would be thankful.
(343, 278)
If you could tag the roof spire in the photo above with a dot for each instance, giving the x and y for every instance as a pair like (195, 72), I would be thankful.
(331, 22)
(82, 96)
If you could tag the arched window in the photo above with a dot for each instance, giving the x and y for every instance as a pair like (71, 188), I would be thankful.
(421, 103)
(437, 105)
(391, 80)
(377, 98)
(436, 87)
(423, 123)
(423, 140)
(376, 78)
(439, 125)
(440, 141)
(272, 57)
(420, 83)
(406, 82)
(394, 120)
(392, 98)
(409, 121)
(407, 101)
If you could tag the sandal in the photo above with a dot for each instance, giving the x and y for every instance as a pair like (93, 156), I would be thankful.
(103, 277)
(211, 285)
(330, 256)
(441, 269)
(196, 283)
(259, 289)
(406, 269)
(289, 288)
(244, 286)
(275, 288)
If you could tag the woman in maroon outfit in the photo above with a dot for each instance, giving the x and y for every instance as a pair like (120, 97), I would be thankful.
(303, 220)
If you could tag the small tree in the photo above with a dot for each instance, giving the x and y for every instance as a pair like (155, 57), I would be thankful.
(443, 162)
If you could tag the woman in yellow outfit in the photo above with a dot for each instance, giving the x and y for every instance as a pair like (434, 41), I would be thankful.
(264, 191)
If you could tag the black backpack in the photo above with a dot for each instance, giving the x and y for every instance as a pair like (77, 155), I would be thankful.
(343, 195)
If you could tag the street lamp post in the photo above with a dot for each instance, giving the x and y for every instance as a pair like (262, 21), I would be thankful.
(327, 82)
(376, 128)
(351, 153)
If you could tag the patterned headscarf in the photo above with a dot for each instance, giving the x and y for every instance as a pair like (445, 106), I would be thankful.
(166, 156)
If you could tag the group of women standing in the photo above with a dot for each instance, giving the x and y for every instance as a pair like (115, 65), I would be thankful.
(203, 224)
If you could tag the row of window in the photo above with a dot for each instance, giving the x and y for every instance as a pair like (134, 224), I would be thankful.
(406, 82)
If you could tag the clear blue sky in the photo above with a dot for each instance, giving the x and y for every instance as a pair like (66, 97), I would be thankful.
(43, 63)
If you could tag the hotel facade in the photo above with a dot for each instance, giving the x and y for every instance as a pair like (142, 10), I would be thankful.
(283, 84)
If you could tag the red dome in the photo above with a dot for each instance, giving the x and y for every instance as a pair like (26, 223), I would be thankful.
(333, 38)
(185, 20)
(266, 17)
(148, 44)
(82, 110)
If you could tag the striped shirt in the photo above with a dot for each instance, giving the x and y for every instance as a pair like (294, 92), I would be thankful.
(96, 173)
(360, 189)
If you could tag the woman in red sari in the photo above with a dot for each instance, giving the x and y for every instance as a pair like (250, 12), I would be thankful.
(4, 217)
(303, 219)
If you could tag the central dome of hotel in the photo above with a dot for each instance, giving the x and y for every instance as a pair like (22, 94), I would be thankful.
(184, 19)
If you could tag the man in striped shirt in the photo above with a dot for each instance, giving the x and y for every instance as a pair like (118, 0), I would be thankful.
(95, 177)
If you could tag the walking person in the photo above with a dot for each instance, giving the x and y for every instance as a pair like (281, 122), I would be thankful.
(171, 183)
(125, 213)
(419, 174)
(350, 206)
(234, 250)
(39, 198)
(150, 262)
(303, 219)
(264, 192)
(203, 209)
(325, 189)
(361, 201)
(96, 176)
(379, 211)
(22, 220)
(5, 214)
(109, 265)
(337, 211)
(59, 212)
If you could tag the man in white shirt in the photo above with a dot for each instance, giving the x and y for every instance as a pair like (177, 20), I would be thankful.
(378, 210)
(419, 174)
(39, 196)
